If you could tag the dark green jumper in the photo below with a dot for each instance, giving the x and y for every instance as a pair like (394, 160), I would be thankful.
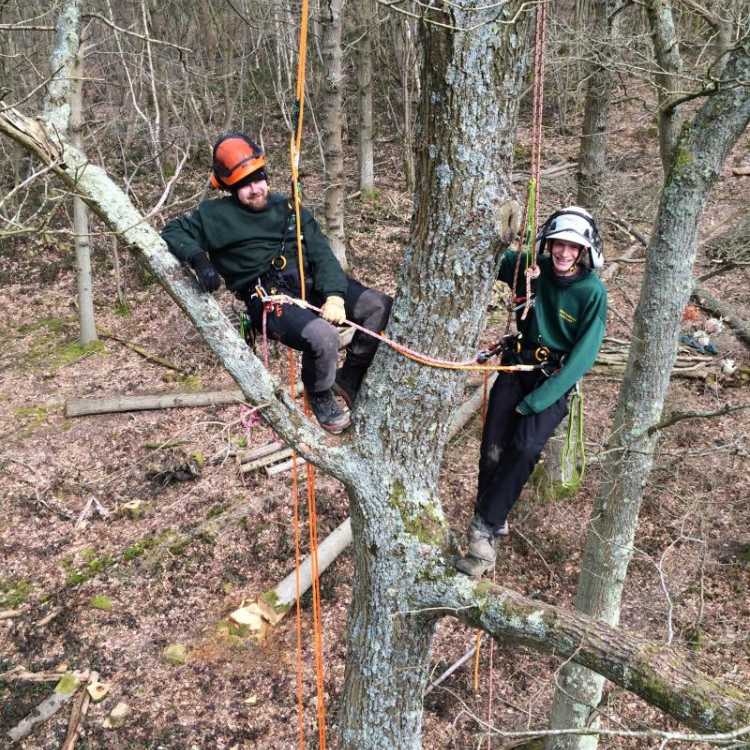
(569, 316)
(242, 243)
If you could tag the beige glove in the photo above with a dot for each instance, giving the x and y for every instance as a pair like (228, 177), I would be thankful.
(333, 310)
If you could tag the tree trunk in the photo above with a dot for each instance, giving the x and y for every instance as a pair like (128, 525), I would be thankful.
(666, 288)
(364, 82)
(81, 215)
(331, 22)
(667, 77)
(592, 158)
(62, 60)
(397, 519)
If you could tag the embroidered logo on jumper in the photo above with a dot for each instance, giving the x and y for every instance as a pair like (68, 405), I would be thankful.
(566, 316)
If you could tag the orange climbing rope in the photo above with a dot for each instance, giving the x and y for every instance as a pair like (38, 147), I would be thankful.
(294, 156)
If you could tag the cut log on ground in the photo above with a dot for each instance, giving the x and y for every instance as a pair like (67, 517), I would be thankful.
(66, 688)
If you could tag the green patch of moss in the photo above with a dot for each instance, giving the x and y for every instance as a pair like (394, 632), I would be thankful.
(31, 417)
(428, 527)
(101, 602)
(74, 351)
(272, 600)
(68, 684)
(52, 325)
(122, 308)
(91, 565)
(191, 382)
(14, 592)
(215, 511)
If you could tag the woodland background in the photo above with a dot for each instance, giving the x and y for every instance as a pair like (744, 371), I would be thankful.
(138, 530)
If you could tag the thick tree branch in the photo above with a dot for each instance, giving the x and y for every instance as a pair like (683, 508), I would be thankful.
(659, 674)
(106, 198)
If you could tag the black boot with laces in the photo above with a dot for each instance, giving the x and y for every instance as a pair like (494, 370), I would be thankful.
(327, 411)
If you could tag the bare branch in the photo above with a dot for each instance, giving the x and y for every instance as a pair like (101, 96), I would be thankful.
(128, 32)
(678, 416)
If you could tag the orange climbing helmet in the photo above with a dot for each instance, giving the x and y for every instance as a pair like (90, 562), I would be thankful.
(236, 158)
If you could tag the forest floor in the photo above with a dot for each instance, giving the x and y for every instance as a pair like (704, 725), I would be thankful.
(175, 537)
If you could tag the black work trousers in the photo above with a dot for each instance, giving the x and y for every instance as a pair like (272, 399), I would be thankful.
(512, 443)
(317, 339)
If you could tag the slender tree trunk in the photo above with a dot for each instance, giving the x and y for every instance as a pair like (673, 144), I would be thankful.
(592, 158)
(364, 82)
(81, 215)
(667, 284)
(667, 77)
(331, 22)
(62, 60)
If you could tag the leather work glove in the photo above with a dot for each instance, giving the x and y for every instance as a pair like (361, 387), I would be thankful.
(333, 310)
(208, 279)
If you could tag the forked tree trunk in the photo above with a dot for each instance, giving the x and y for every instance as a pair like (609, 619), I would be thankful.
(331, 22)
(463, 169)
(667, 284)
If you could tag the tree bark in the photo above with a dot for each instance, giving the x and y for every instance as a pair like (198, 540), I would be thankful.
(331, 22)
(667, 76)
(62, 61)
(592, 157)
(364, 85)
(667, 285)
(81, 214)
(659, 674)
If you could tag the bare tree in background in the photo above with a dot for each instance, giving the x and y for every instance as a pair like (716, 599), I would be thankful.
(331, 23)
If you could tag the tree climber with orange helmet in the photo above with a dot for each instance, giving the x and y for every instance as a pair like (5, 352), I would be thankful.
(562, 334)
(248, 238)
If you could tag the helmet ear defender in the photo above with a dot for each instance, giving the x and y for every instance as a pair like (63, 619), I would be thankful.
(566, 220)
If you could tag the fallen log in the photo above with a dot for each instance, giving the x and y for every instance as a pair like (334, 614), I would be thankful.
(83, 407)
(267, 460)
(64, 691)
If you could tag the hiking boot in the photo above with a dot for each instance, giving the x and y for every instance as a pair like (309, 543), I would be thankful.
(348, 381)
(329, 414)
(481, 555)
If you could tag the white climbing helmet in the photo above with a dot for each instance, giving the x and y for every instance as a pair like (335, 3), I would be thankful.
(573, 224)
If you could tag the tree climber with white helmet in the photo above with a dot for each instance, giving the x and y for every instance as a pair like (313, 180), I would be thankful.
(562, 333)
(248, 239)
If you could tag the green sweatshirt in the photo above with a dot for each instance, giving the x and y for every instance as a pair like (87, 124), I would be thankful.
(242, 243)
(569, 316)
